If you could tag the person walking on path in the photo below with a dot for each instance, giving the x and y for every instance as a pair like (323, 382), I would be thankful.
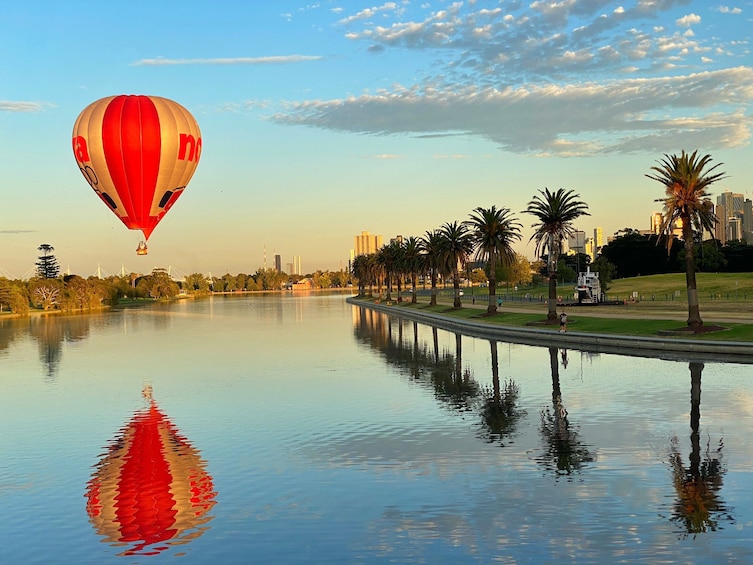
(563, 322)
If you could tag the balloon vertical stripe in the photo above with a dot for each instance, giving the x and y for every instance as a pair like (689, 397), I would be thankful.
(138, 153)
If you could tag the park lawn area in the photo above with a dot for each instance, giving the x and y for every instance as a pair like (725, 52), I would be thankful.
(580, 323)
(729, 285)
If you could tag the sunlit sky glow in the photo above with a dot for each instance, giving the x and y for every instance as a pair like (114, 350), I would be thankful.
(323, 119)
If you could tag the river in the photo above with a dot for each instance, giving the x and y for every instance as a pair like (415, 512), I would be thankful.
(295, 428)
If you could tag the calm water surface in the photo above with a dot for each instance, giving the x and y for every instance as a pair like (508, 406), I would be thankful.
(300, 429)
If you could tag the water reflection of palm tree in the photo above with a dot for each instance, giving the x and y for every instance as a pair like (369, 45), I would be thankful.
(451, 382)
(442, 370)
(698, 506)
(499, 411)
(565, 454)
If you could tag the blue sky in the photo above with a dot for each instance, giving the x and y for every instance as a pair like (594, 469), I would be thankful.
(323, 119)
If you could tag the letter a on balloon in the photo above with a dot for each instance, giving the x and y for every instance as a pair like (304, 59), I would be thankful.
(138, 154)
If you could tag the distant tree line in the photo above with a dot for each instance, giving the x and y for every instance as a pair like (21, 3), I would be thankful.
(70, 293)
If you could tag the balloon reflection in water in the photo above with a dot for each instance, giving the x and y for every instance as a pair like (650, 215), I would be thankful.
(151, 489)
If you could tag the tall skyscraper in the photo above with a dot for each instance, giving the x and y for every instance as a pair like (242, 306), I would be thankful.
(598, 238)
(366, 243)
(297, 265)
(656, 219)
(278, 263)
(748, 221)
(577, 241)
(732, 201)
(720, 230)
(734, 229)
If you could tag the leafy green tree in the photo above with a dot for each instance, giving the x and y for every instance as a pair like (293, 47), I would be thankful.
(13, 297)
(565, 273)
(709, 258)
(634, 254)
(606, 271)
(738, 256)
(159, 285)
(231, 282)
(456, 245)
(45, 293)
(555, 213)
(196, 282)
(493, 233)
(74, 294)
(687, 205)
(517, 272)
(478, 276)
(47, 264)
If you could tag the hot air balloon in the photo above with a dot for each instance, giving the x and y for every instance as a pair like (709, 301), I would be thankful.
(138, 154)
(151, 489)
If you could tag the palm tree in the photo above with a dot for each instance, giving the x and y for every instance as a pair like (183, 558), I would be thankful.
(431, 244)
(386, 264)
(359, 267)
(688, 203)
(400, 266)
(555, 213)
(456, 245)
(412, 262)
(373, 272)
(494, 232)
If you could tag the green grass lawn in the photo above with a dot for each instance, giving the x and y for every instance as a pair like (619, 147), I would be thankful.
(724, 295)
(723, 286)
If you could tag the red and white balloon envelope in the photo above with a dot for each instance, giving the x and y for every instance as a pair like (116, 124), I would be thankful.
(151, 489)
(138, 154)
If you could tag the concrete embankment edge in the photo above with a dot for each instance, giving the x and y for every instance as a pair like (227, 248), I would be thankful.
(655, 347)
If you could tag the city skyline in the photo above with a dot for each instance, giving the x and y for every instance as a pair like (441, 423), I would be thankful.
(320, 120)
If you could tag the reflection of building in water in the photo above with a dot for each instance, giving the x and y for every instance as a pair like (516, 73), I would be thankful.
(151, 489)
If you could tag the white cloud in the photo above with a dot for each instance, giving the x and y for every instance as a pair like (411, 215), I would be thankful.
(564, 119)
(368, 13)
(275, 59)
(519, 40)
(689, 20)
(728, 10)
(21, 106)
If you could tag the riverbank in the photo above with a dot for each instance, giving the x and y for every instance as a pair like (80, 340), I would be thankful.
(518, 325)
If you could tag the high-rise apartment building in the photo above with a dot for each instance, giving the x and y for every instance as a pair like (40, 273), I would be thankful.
(366, 243)
(278, 263)
(598, 238)
(734, 213)
(577, 241)
(734, 229)
(656, 220)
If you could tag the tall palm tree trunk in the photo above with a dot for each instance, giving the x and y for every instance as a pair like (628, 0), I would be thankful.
(694, 312)
(552, 311)
(552, 260)
(456, 287)
(492, 307)
(433, 301)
